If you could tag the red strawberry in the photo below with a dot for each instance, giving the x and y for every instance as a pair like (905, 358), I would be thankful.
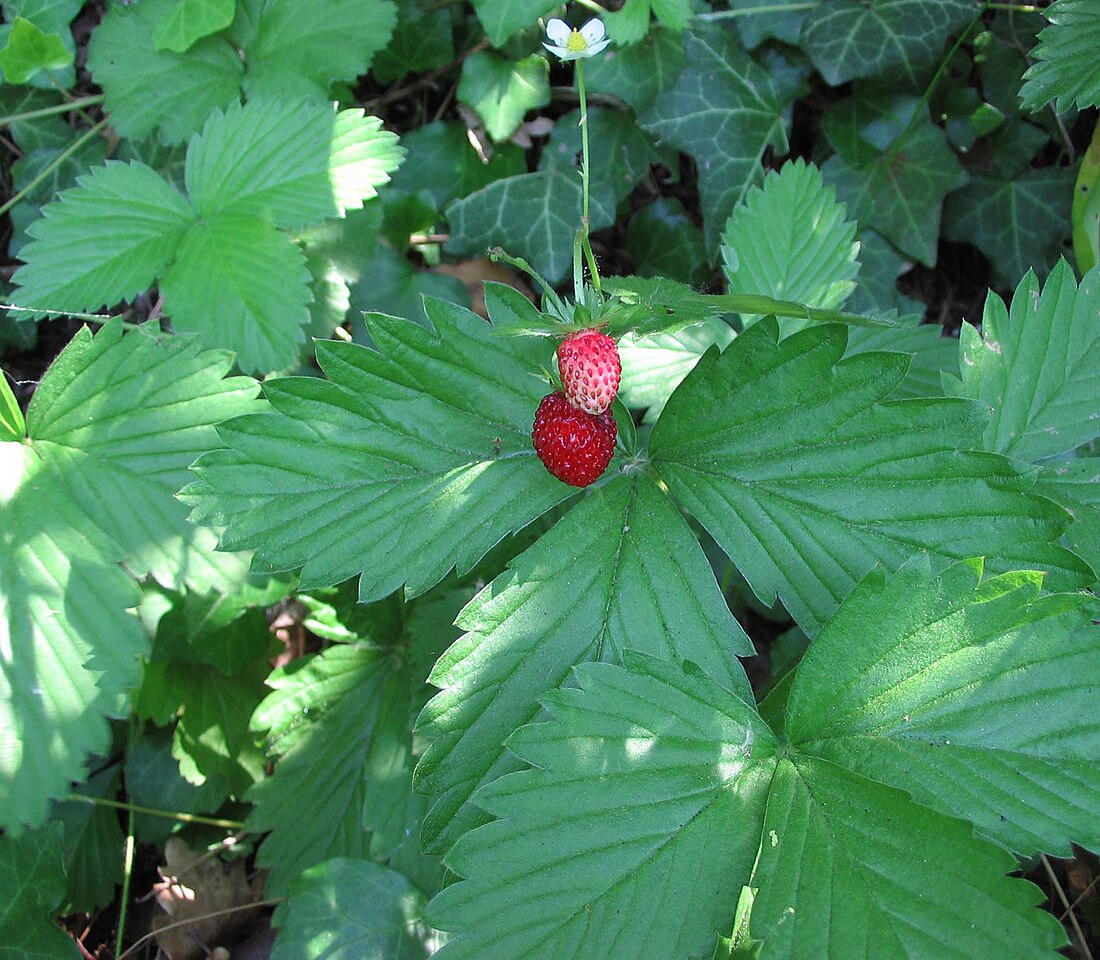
(575, 446)
(590, 370)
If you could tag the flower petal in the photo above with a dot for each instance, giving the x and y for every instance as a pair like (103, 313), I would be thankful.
(558, 31)
(593, 31)
(598, 47)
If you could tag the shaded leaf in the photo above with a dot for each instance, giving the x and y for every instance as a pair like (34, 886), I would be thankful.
(504, 18)
(644, 584)
(1037, 365)
(191, 20)
(729, 139)
(32, 887)
(638, 73)
(807, 479)
(501, 91)
(419, 457)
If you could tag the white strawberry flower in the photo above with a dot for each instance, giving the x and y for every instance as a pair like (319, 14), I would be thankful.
(570, 44)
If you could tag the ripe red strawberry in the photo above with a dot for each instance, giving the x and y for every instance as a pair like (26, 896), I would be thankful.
(575, 446)
(590, 370)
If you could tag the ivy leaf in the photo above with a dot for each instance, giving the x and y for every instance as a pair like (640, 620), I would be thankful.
(834, 877)
(189, 87)
(1016, 222)
(244, 162)
(74, 262)
(29, 50)
(639, 778)
(113, 426)
(892, 171)
(441, 161)
(534, 216)
(630, 23)
(347, 909)
(241, 284)
(789, 240)
(423, 40)
(624, 155)
(644, 583)
(880, 265)
(503, 19)
(1064, 69)
(32, 888)
(731, 136)
(639, 72)
(897, 39)
(663, 241)
(1038, 365)
(501, 91)
(419, 456)
(932, 703)
(191, 20)
(298, 47)
(779, 24)
(807, 479)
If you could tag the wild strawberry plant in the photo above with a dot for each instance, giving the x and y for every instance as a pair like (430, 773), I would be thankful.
(518, 561)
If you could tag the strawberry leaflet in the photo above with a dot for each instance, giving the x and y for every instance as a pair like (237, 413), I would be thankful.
(411, 459)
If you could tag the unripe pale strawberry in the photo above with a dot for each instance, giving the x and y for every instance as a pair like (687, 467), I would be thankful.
(590, 370)
(575, 446)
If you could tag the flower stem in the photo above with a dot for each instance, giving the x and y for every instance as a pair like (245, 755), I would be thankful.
(586, 244)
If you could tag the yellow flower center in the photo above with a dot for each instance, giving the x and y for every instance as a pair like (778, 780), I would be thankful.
(576, 43)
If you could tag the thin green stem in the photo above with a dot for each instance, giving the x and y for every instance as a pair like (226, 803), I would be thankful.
(593, 6)
(90, 317)
(128, 862)
(153, 812)
(52, 111)
(770, 8)
(51, 167)
(586, 223)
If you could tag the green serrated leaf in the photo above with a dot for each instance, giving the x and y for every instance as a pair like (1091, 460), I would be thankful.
(1018, 222)
(243, 285)
(880, 265)
(1075, 484)
(807, 479)
(501, 91)
(113, 427)
(731, 136)
(94, 842)
(291, 165)
(422, 40)
(191, 20)
(419, 457)
(534, 216)
(348, 767)
(931, 701)
(32, 888)
(12, 425)
(654, 366)
(298, 47)
(901, 40)
(105, 240)
(127, 65)
(348, 909)
(1065, 70)
(638, 779)
(892, 170)
(932, 354)
(643, 572)
(504, 18)
(790, 240)
(638, 73)
(654, 305)
(30, 50)
(1037, 365)
(836, 874)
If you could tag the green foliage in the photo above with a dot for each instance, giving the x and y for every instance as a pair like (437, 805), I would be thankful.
(1036, 365)
(642, 768)
(781, 474)
(93, 486)
(226, 270)
(1065, 70)
(32, 884)
(469, 681)
(346, 909)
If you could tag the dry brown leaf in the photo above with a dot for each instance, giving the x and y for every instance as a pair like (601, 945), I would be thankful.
(474, 273)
